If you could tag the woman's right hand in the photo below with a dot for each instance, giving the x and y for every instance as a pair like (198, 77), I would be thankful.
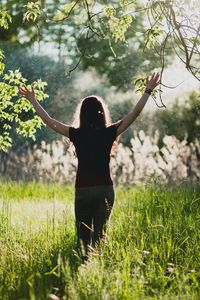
(28, 94)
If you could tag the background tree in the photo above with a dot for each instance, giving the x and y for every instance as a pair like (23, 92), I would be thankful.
(166, 24)
(120, 39)
(11, 107)
(181, 120)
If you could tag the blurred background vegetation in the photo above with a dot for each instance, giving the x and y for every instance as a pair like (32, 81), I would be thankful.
(51, 47)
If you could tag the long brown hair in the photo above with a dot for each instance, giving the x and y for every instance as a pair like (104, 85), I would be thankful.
(92, 112)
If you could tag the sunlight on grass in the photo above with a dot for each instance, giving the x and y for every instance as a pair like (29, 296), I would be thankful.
(151, 251)
(35, 215)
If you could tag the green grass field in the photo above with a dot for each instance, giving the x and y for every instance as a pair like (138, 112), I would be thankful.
(152, 249)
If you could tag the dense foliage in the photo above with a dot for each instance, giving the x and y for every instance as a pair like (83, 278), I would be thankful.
(120, 39)
(183, 121)
(15, 112)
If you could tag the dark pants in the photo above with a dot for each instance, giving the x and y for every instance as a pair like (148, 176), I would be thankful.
(92, 210)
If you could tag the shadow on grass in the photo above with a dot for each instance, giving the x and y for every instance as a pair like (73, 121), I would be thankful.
(51, 276)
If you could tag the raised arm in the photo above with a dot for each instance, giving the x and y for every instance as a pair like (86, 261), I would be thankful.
(151, 83)
(52, 123)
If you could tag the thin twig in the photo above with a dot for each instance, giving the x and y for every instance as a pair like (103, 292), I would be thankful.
(80, 58)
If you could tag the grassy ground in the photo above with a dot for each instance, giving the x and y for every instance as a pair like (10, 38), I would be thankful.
(152, 249)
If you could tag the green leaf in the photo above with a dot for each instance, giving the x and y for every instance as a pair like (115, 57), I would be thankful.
(11, 107)
(109, 11)
(5, 142)
(152, 33)
(119, 25)
(5, 19)
(140, 84)
(2, 67)
(33, 11)
(67, 7)
(59, 16)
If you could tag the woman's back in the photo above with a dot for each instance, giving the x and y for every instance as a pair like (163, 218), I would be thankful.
(93, 147)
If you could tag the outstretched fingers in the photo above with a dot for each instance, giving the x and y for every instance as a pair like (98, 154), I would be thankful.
(153, 80)
(157, 78)
(148, 79)
(22, 90)
(32, 90)
(153, 76)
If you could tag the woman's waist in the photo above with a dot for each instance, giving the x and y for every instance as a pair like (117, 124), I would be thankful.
(95, 191)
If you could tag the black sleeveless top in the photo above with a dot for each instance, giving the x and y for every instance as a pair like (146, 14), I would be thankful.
(93, 147)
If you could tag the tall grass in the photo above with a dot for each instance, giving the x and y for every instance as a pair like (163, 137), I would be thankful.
(152, 248)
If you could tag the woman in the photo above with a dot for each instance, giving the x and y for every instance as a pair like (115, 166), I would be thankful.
(93, 140)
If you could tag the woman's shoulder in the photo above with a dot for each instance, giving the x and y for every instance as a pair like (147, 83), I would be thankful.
(112, 130)
(73, 132)
(114, 125)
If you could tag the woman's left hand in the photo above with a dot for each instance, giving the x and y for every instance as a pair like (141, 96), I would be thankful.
(152, 81)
